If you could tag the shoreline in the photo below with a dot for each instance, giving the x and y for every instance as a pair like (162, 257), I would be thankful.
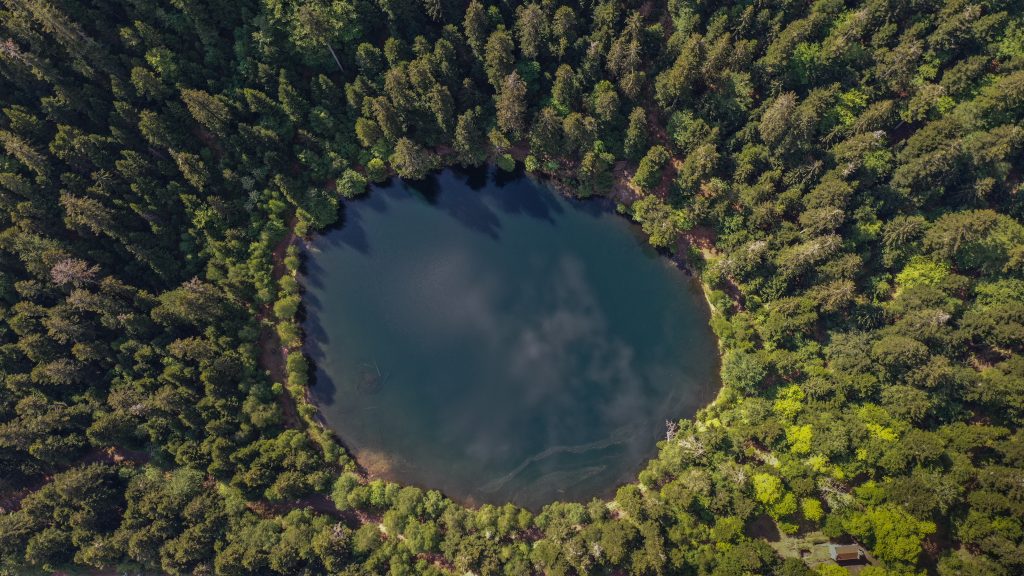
(308, 408)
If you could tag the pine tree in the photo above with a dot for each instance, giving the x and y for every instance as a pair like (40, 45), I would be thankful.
(510, 106)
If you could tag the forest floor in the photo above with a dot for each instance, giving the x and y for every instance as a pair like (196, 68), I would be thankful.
(274, 355)
(320, 503)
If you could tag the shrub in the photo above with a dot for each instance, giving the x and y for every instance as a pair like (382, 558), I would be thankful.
(506, 162)
(376, 170)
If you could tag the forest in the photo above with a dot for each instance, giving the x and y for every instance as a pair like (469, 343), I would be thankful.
(844, 175)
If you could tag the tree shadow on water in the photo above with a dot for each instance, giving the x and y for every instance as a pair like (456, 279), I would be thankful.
(322, 387)
(515, 193)
(594, 206)
(311, 276)
(474, 177)
(467, 208)
(503, 178)
(429, 188)
(510, 192)
(350, 230)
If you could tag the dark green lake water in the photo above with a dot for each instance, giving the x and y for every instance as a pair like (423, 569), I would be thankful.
(496, 341)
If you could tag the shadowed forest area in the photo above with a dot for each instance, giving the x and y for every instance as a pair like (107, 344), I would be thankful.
(843, 176)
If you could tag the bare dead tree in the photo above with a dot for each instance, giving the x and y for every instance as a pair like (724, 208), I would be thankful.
(671, 429)
(73, 271)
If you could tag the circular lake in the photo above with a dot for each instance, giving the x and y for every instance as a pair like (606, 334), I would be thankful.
(480, 334)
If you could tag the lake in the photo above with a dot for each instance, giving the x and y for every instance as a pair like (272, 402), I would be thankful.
(480, 334)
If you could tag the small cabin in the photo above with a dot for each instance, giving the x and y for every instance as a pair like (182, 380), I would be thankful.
(845, 552)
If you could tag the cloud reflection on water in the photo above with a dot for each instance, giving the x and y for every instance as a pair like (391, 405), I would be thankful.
(534, 363)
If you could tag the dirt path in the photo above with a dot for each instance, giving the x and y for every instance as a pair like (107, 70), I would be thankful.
(116, 455)
(11, 500)
(702, 239)
(317, 502)
(273, 356)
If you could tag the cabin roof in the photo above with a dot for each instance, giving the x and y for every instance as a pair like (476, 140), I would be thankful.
(845, 552)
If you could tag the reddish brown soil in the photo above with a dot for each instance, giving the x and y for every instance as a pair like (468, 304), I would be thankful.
(273, 354)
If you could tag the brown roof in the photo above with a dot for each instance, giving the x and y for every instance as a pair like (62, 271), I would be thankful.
(845, 552)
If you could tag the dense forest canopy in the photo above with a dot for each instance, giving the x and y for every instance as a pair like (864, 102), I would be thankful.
(846, 175)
